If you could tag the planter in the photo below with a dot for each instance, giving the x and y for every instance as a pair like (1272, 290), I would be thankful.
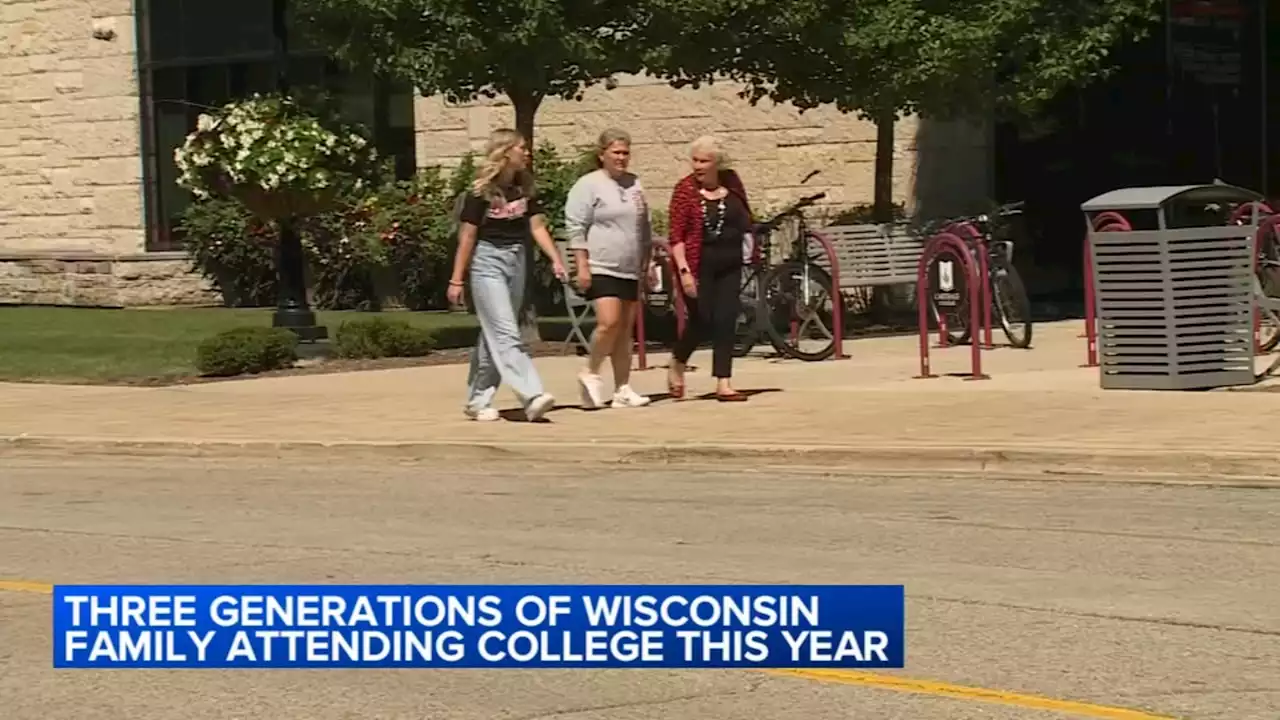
(276, 204)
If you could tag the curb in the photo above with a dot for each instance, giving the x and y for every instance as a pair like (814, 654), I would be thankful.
(1245, 469)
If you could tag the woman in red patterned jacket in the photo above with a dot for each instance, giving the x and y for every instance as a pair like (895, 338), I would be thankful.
(709, 220)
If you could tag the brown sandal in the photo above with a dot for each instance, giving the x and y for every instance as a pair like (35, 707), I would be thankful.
(734, 396)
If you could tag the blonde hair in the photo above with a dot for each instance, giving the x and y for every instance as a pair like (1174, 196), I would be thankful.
(608, 138)
(711, 145)
(494, 167)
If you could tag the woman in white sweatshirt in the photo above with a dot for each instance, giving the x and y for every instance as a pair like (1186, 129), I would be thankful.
(607, 220)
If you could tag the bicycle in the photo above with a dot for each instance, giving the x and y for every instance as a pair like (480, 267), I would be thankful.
(1009, 300)
(790, 294)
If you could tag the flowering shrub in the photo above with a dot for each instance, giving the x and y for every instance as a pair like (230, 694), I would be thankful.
(278, 158)
(387, 240)
(413, 222)
(344, 256)
(233, 250)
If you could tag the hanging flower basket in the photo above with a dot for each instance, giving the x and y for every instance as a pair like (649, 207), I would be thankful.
(278, 159)
(276, 204)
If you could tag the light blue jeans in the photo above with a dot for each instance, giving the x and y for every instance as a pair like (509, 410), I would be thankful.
(497, 291)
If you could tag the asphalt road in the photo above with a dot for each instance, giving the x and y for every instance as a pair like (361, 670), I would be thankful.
(1132, 601)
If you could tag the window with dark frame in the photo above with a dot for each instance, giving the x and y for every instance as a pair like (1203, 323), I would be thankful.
(194, 55)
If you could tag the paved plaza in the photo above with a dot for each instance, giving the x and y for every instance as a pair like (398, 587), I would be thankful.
(1039, 409)
(1067, 551)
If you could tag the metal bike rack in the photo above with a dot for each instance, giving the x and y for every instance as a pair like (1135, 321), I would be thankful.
(985, 290)
(938, 243)
(837, 302)
(1171, 287)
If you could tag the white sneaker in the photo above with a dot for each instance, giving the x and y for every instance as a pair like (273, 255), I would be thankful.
(486, 414)
(538, 407)
(626, 397)
(591, 388)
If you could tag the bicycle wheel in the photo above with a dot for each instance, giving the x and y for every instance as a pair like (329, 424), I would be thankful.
(957, 321)
(1011, 304)
(799, 301)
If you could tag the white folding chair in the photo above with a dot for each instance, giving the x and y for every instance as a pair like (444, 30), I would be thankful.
(579, 308)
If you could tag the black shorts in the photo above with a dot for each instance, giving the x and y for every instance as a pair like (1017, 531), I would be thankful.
(610, 286)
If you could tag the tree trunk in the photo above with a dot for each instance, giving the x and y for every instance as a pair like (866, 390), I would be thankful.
(526, 107)
(882, 298)
(882, 210)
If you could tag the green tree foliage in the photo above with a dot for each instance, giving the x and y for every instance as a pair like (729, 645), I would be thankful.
(933, 58)
(528, 50)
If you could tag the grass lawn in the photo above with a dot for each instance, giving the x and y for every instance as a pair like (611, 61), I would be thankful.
(78, 345)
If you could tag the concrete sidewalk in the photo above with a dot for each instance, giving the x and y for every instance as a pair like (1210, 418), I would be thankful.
(1040, 410)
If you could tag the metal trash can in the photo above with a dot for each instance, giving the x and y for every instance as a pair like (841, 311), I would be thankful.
(1174, 294)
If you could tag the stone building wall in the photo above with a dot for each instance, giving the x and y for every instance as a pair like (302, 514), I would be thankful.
(71, 215)
(71, 202)
(773, 146)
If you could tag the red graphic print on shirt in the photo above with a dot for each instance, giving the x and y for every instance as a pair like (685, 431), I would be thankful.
(508, 210)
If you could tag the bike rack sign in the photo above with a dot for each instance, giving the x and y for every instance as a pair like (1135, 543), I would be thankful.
(947, 279)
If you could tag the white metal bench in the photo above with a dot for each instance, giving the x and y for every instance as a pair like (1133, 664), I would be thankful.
(872, 255)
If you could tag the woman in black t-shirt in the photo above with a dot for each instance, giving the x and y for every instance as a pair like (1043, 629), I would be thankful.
(499, 217)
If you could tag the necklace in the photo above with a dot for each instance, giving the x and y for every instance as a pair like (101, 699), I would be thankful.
(706, 220)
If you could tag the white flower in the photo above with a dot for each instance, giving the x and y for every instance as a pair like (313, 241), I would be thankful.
(250, 145)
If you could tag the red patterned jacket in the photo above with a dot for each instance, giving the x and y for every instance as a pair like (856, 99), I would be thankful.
(685, 214)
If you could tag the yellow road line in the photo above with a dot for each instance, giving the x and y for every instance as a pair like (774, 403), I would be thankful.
(25, 586)
(872, 680)
(963, 692)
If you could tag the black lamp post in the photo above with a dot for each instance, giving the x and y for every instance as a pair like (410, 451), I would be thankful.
(292, 310)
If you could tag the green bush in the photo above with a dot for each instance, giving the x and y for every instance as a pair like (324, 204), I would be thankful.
(247, 350)
(380, 338)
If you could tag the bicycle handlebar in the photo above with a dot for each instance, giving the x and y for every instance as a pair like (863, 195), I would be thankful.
(772, 223)
(982, 220)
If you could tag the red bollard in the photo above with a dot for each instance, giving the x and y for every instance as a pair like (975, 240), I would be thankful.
(1108, 221)
(985, 292)
(1090, 310)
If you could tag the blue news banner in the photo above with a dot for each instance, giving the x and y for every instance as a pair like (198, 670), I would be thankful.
(478, 626)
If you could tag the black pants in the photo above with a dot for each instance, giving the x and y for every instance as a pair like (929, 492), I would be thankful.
(714, 313)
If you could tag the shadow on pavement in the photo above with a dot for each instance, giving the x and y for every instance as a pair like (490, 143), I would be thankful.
(517, 414)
